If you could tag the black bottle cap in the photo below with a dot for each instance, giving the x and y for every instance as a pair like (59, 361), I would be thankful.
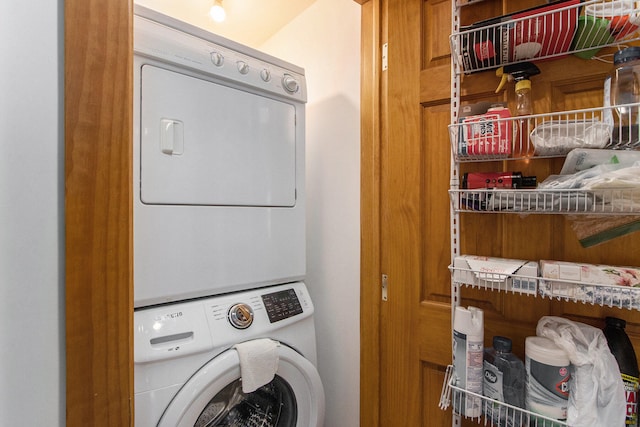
(465, 180)
(502, 344)
(615, 322)
(529, 182)
(628, 54)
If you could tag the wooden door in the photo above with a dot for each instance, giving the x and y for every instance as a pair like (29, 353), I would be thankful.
(406, 339)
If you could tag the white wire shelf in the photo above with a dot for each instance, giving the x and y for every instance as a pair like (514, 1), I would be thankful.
(454, 397)
(497, 136)
(622, 297)
(551, 31)
(609, 201)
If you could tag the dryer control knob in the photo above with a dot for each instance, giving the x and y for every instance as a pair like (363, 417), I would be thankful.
(290, 84)
(217, 59)
(243, 67)
(240, 316)
(265, 75)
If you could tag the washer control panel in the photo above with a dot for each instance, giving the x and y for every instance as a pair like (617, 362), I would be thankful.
(197, 326)
(281, 305)
(240, 316)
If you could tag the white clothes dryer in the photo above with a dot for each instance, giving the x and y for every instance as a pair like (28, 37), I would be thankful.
(218, 155)
(188, 374)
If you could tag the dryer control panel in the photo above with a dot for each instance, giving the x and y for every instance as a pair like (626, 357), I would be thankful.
(217, 56)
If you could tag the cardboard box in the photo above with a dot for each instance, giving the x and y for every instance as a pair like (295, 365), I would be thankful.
(607, 275)
(485, 133)
(598, 284)
(538, 32)
(496, 273)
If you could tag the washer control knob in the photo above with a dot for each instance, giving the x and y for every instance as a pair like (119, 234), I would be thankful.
(290, 84)
(265, 75)
(240, 316)
(217, 59)
(243, 67)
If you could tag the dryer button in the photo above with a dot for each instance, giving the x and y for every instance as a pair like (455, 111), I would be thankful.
(243, 67)
(240, 316)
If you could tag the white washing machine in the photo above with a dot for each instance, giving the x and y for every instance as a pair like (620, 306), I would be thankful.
(218, 155)
(187, 372)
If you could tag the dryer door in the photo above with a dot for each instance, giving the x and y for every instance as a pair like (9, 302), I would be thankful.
(213, 396)
(203, 143)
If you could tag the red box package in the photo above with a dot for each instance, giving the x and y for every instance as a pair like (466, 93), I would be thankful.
(540, 32)
(485, 134)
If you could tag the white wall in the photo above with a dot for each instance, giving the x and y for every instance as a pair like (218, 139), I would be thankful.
(325, 40)
(31, 214)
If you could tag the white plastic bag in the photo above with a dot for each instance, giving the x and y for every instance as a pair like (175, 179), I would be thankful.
(555, 138)
(596, 391)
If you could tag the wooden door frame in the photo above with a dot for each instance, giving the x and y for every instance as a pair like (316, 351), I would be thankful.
(370, 270)
(98, 46)
(390, 192)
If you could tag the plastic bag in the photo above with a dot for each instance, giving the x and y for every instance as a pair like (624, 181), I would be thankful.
(556, 138)
(596, 391)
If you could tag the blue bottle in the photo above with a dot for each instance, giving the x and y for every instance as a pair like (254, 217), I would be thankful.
(504, 381)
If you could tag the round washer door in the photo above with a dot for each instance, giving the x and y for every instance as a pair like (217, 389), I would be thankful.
(216, 385)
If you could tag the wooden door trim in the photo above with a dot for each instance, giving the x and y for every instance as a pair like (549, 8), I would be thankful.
(370, 272)
(98, 215)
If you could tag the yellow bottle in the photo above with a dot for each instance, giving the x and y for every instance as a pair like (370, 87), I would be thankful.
(520, 72)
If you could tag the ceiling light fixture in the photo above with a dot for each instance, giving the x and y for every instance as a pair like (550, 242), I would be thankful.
(217, 12)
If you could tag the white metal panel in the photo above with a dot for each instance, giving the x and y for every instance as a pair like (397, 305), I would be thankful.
(193, 235)
(231, 147)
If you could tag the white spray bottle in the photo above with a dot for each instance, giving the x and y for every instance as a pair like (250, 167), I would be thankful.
(468, 348)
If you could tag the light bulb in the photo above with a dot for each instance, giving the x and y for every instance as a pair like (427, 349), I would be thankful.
(217, 12)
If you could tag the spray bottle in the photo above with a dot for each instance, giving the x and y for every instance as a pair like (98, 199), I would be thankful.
(520, 73)
(468, 348)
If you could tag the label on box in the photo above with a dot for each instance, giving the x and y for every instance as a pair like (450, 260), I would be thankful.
(493, 269)
(485, 134)
(544, 34)
(541, 31)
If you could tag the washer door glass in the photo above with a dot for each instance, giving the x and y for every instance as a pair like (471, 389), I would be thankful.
(272, 405)
(213, 396)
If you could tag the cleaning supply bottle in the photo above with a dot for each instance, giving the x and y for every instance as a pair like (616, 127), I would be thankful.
(520, 73)
(468, 347)
(622, 91)
(622, 350)
(504, 381)
(548, 369)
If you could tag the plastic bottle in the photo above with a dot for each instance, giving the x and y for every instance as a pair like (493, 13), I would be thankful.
(623, 87)
(468, 347)
(504, 380)
(622, 350)
(520, 73)
(548, 373)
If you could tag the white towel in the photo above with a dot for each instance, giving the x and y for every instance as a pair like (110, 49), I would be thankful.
(258, 362)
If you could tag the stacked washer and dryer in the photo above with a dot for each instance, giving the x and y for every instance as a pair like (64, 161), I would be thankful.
(219, 231)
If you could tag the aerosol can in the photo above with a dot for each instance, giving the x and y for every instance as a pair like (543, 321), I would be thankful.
(468, 349)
